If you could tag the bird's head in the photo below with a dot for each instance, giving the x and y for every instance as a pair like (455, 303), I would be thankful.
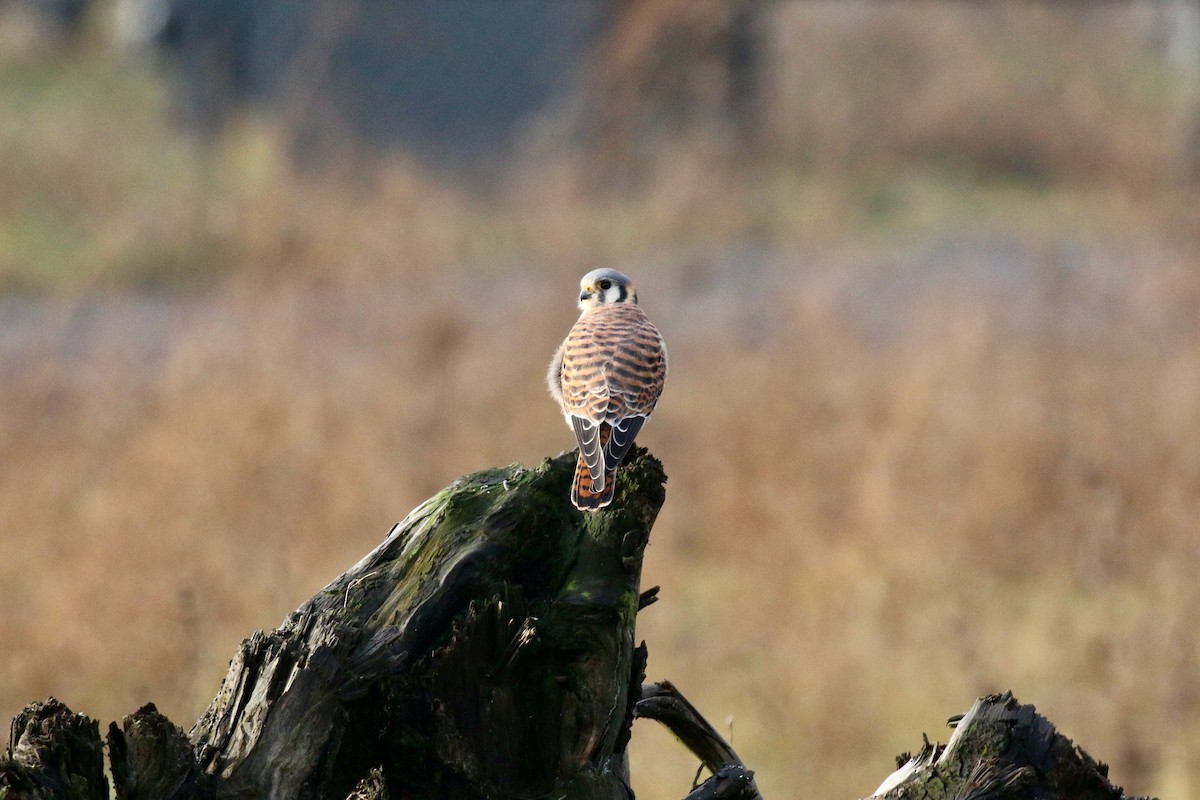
(602, 286)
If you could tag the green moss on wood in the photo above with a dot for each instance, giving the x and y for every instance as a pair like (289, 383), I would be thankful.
(484, 648)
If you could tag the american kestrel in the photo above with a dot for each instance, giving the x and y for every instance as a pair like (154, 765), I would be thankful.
(607, 376)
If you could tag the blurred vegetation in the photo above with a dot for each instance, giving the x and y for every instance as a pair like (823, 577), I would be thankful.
(930, 425)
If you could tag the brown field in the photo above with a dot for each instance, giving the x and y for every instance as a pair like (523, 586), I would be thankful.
(928, 437)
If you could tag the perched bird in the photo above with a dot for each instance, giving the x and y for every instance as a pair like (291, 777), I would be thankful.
(607, 376)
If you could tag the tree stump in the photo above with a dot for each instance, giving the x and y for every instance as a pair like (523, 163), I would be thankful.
(1000, 750)
(484, 650)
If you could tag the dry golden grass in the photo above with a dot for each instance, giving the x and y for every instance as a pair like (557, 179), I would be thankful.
(928, 437)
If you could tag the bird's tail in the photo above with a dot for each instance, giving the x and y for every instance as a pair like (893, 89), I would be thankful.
(588, 495)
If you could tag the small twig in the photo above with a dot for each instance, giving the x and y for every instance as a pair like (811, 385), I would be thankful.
(648, 597)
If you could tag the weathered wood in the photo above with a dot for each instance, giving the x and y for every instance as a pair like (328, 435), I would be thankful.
(53, 754)
(730, 782)
(152, 759)
(1000, 750)
(372, 787)
(484, 649)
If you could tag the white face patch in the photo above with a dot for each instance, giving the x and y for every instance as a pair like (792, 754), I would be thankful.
(604, 287)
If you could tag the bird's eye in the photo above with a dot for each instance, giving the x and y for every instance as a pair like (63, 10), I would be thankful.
(605, 285)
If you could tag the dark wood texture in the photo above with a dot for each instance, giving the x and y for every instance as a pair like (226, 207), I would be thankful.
(484, 649)
(152, 759)
(53, 753)
(1000, 750)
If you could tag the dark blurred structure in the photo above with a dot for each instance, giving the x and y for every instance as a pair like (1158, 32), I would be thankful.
(456, 81)
(667, 69)
(452, 81)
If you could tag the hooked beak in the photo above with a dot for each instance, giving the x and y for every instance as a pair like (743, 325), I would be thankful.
(585, 295)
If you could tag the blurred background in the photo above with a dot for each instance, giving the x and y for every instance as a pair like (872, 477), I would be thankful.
(272, 273)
